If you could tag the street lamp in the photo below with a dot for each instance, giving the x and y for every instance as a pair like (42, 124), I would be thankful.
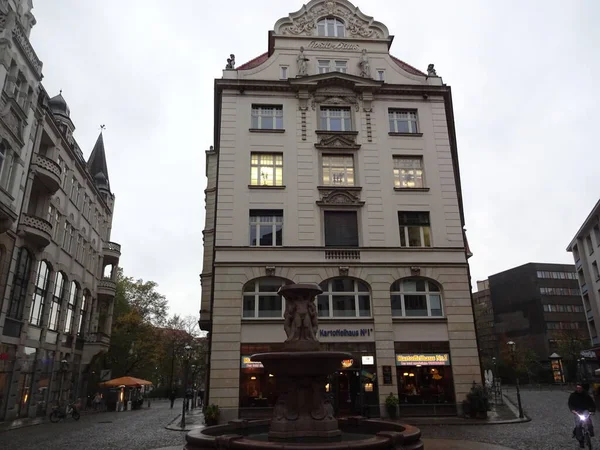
(512, 346)
(187, 353)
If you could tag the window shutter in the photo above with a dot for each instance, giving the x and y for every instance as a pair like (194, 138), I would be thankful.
(341, 229)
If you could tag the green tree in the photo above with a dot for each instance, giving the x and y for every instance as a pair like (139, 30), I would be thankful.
(570, 343)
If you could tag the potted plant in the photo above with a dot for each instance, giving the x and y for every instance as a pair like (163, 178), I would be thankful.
(211, 415)
(477, 404)
(391, 405)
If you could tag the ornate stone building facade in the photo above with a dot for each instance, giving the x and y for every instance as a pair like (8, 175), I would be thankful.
(336, 163)
(57, 262)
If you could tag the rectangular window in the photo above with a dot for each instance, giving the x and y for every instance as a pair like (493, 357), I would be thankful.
(341, 66)
(73, 188)
(338, 170)
(336, 119)
(381, 75)
(408, 172)
(82, 311)
(266, 228)
(266, 169)
(20, 81)
(595, 270)
(588, 242)
(402, 121)
(341, 229)
(266, 117)
(324, 65)
(415, 229)
(597, 235)
(283, 74)
(63, 170)
(576, 253)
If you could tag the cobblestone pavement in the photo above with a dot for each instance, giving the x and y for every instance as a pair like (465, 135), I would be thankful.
(132, 430)
(549, 429)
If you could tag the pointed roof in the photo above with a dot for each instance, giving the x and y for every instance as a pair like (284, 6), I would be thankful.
(97, 163)
(58, 105)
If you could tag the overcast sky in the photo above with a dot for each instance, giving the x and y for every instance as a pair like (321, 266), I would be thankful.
(524, 77)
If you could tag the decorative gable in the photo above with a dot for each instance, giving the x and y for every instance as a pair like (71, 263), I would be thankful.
(337, 140)
(340, 196)
(304, 22)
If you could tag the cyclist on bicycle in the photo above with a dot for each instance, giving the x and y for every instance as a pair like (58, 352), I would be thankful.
(579, 402)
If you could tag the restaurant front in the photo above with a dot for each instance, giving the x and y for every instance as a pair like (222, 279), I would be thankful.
(425, 382)
(352, 388)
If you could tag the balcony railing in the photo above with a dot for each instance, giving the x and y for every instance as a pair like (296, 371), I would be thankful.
(36, 229)
(49, 172)
(342, 254)
(113, 246)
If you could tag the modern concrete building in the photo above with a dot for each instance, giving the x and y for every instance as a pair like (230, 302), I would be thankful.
(336, 163)
(58, 264)
(534, 304)
(585, 248)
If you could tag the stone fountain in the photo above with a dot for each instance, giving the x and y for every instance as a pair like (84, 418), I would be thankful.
(303, 417)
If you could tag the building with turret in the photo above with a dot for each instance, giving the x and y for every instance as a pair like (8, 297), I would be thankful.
(336, 163)
(57, 263)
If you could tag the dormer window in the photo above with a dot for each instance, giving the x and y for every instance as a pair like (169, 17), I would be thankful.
(331, 27)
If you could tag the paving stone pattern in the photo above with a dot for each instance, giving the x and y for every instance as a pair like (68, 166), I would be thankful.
(132, 430)
(549, 429)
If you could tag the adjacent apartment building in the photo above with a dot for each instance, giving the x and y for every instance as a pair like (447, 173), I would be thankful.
(336, 163)
(585, 248)
(535, 304)
(57, 264)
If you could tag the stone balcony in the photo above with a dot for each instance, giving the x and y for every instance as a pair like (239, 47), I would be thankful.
(47, 171)
(107, 288)
(94, 344)
(35, 230)
(111, 252)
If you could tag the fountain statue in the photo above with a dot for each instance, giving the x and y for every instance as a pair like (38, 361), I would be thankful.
(303, 416)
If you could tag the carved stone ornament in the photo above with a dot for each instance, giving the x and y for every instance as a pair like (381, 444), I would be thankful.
(230, 62)
(270, 271)
(339, 197)
(415, 270)
(431, 72)
(335, 99)
(341, 141)
(344, 271)
(304, 21)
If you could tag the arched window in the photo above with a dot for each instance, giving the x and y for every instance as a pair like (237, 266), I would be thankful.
(261, 299)
(39, 295)
(57, 298)
(416, 297)
(344, 297)
(331, 27)
(20, 281)
(82, 312)
(73, 294)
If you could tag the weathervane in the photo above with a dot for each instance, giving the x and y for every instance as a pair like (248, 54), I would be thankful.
(102, 128)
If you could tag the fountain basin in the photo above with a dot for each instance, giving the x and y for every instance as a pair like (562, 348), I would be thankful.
(358, 433)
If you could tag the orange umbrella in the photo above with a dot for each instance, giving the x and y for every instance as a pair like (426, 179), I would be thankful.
(125, 381)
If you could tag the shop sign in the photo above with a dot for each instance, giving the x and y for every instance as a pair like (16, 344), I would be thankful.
(368, 360)
(588, 354)
(423, 359)
(359, 334)
(248, 364)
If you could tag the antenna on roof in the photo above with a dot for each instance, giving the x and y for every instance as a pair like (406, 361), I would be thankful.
(102, 128)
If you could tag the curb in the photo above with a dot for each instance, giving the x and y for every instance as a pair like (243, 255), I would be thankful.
(515, 410)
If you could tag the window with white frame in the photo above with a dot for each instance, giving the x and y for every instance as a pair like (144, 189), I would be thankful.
(416, 297)
(403, 121)
(283, 74)
(335, 119)
(344, 297)
(408, 172)
(57, 298)
(266, 169)
(324, 65)
(267, 117)
(261, 299)
(331, 27)
(266, 228)
(340, 66)
(415, 229)
(380, 74)
(39, 293)
(73, 293)
(338, 170)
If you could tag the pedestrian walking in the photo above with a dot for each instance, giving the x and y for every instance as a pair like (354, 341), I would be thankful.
(172, 397)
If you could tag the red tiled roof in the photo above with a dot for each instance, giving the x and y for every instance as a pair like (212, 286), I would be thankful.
(262, 58)
(408, 67)
(254, 62)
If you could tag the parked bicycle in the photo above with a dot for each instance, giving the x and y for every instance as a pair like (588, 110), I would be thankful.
(59, 413)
